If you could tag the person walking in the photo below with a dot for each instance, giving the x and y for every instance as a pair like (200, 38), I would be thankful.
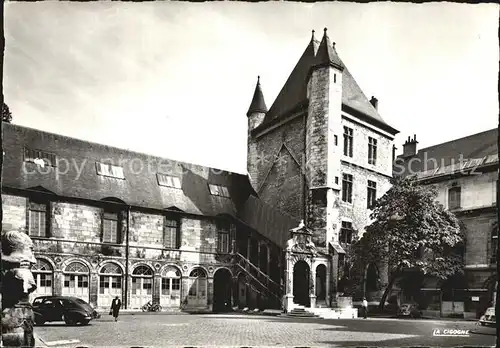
(365, 308)
(115, 307)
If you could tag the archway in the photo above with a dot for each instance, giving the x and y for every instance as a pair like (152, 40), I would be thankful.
(142, 286)
(197, 295)
(321, 284)
(76, 280)
(170, 295)
(110, 284)
(222, 290)
(43, 274)
(301, 275)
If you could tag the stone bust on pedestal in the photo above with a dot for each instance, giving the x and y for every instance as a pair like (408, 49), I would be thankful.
(17, 283)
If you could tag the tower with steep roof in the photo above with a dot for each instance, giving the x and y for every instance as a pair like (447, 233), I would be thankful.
(255, 115)
(321, 153)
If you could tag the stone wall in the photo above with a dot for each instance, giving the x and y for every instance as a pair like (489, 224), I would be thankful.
(14, 212)
(279, 175)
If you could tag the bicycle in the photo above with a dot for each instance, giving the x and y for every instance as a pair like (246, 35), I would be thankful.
(151, 307)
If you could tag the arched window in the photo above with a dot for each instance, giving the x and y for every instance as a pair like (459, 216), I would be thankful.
(143, 271)
(43, 274)
(76, 280)
(142, 286)
(198, 287)
(110, 283)
(170, 287)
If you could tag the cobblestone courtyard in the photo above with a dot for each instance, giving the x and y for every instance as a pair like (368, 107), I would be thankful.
(239, 330)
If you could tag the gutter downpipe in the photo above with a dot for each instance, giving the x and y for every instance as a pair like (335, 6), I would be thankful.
(127, 257)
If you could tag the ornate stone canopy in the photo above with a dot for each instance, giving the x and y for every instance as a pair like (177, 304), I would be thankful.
(301, 240)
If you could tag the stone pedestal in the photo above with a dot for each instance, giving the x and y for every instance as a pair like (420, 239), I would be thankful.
(289, 303)
(312, 301)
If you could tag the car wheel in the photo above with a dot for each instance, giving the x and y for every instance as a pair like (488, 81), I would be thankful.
(483, 324)
(68, 321)
(39, 321)
(85, 322)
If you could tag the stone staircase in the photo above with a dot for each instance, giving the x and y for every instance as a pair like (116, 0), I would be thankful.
(301, 312)
(334, 313)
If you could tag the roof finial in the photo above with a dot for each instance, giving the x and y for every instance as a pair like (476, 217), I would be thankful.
(258, 79)
(313, 34)
(325, 30)
(333, 45)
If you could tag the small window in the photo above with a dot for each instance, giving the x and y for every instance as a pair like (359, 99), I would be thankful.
(223, 236)
(218, 190)
(347, 188)
(454, 194)
(348, 141)
(168, 180)
(334, 78)
(38, 219)
(336, 180)
(346, 232)
(372, 150)
(371, 194)
(40, 157)
(336, 140)
(110, 227)
(171, 233)
(106, 169)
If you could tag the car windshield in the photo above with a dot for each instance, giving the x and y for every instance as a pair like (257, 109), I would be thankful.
(80, 301)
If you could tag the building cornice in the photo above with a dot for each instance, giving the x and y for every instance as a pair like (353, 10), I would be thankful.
(349, 164)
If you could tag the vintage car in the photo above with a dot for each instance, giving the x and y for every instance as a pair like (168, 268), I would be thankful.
(71, 310)
(488, 318)
(409, 310)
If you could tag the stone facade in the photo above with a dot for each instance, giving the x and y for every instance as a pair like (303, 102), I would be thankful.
(309, 133)
(76, 236)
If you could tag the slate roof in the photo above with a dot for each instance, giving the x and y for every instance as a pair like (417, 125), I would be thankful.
(258, 104)
(294, 91)
(475, 150)
(272, 223)
(139, 188)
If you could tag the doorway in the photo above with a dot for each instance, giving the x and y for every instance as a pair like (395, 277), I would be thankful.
(301, 280)
(222, 290)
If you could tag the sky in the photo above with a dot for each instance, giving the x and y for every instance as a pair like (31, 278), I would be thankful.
(175, 79)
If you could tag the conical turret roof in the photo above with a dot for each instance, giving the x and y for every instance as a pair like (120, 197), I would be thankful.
(258, 104)
(326, 54)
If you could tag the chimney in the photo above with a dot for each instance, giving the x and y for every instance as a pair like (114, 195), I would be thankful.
(374, 102)
(394, 148)
(410, 147)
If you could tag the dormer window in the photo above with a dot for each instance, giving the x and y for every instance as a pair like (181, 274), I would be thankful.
(168, 181)
(40, 157)
(110, 170)
(218, 190)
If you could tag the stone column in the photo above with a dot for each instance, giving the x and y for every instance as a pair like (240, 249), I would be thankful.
(184, 291)
(289, 284)
(58, 282)
(312, 286)
(94, 287)
(210, 293)
(156, 288)
(327, 290)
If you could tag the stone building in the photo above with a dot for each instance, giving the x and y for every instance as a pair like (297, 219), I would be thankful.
(322, 154)
(108, 221)
(465, 171)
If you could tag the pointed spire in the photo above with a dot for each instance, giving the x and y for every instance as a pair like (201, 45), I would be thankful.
(326, 54)
(258, 104)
